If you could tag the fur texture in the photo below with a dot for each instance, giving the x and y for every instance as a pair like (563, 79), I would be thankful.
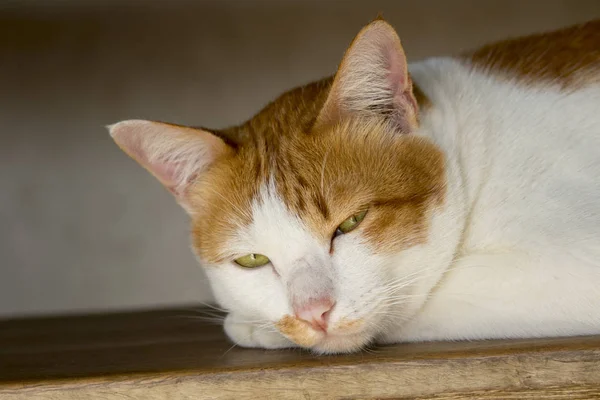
(478, 174)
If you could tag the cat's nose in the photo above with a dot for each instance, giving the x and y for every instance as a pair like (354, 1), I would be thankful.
(316, 312)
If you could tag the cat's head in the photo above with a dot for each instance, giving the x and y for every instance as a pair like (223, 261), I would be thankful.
(306, 216)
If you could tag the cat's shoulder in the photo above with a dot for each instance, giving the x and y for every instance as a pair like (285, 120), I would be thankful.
(569, 57)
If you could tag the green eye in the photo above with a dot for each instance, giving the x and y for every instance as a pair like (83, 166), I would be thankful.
(350, 223)
(252, 261)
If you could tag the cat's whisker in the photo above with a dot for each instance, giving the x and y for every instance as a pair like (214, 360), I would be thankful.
(266, 326)
(370, 350)
(400, 285)
(253, 321)
(390, 301)
(205, 312)
(216, 321)
(386, 305)
(206, 315)
(389, 313)
(398, 302)
(388, 309)
(416, 275)
(213, 306)
(228, 350)
(423, 274)
(402, 299)
(206, 307)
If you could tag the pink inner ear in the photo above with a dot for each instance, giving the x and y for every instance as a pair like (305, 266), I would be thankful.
(167, 173)
(399, 81)
(397, 69)
(170, 175)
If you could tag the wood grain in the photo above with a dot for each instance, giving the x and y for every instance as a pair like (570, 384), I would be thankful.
(171, 354)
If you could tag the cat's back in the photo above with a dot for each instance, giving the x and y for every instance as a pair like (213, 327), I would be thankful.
(521, 118)
(568, 58)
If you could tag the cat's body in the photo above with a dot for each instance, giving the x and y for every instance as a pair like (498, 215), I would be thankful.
(479, 190)
(527, 160)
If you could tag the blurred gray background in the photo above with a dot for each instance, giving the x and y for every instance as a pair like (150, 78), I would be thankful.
(82, 227)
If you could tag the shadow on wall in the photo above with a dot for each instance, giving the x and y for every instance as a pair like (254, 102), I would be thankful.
(82, 227)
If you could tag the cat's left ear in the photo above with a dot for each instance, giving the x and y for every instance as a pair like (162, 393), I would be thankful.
(373, 79)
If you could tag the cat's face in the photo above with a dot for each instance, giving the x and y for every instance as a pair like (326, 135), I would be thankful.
(328, 213)
(306, 215)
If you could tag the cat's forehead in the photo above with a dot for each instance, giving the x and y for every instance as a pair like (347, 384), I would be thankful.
(319, 180)
(274, 196)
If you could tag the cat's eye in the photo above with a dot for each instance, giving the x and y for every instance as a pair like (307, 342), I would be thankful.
(350, 224)
(252, 261)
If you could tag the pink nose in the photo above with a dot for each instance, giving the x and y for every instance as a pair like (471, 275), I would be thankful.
(315, 312)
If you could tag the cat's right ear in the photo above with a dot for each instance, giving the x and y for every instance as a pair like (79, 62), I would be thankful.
(175, 155)
(372, 80)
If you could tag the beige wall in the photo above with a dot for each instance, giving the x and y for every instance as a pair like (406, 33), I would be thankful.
(82, 226)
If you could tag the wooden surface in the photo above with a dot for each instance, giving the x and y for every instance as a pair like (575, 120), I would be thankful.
(173, 355)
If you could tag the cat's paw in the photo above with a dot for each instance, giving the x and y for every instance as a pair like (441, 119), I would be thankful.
(247, 334)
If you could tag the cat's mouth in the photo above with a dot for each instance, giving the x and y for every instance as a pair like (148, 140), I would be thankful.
(347, 335)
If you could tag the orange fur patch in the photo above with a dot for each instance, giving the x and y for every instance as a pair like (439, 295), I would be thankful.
(361, 165)
(298, 331)
(569, 57)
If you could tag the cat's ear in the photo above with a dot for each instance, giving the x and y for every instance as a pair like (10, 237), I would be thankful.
(373, 79)
(174, 154)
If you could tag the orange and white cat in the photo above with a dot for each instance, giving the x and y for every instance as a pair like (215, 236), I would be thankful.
(454, 198)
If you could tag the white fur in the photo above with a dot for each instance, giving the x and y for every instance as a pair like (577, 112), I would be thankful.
(529, 157)
(514, 252)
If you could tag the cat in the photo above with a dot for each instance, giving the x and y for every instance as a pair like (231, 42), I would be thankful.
(455, 198)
